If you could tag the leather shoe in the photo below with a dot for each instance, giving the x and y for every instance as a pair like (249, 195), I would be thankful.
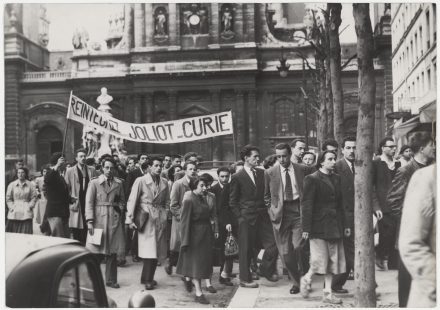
(149, 286)
(294, 289)
(202, 300)
(122, 263)
(339, 290)
(168, 269)
(255, 276)
(211, 289)
(188, 285)
(225, 281)
(248, 284)
(272, 278)
(112, 285)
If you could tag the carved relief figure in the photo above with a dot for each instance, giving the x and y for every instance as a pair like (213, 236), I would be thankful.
(160, 20)
(195, 20)
(226, 18)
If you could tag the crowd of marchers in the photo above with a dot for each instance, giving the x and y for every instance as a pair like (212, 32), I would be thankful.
(298, 206)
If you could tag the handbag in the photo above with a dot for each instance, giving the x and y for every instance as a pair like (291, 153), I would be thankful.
(140, 219)
(231, 246)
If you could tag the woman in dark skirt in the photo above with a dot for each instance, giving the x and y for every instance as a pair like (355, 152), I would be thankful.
(21, 197)
(195, 259)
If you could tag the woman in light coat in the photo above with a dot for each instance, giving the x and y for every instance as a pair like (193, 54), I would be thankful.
(40, 207)
(151, 194)
(105, 201)
(21, 197)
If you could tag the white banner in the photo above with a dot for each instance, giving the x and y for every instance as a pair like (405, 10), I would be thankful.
(176, 131)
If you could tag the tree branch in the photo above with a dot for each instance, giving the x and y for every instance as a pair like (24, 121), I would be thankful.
(348, 61)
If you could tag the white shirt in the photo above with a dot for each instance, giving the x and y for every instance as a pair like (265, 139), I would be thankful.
(292, 179)
(391, 164)
(250, 173)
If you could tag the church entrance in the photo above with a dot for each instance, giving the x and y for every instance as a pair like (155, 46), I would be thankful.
(49, 141)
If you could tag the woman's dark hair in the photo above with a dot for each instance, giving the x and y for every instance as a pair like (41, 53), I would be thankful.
(26, 172)
(321, 158)
(247, 151)
(194, 182)
(309, 153)
(404, 148)
(46, 166)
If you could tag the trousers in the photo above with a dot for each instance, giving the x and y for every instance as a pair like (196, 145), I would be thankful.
(387, 237)
(148, 270)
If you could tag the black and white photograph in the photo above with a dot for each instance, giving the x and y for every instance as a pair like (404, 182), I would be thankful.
(219, 155)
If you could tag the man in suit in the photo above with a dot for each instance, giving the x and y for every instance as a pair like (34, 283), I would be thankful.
(246, 199)
(299, 147)
(177, 192)
(384, 169)
(423, 145)
(58, 198)
(224, 218)
(77, 180)
(345, 169)
(282, 195)
(131, 235)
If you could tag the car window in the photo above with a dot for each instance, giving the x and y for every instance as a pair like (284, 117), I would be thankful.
(77, 289)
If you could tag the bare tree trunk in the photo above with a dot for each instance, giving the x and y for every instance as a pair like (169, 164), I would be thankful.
(335, 70)
(328, 84)
(322, 126)
(365, 295)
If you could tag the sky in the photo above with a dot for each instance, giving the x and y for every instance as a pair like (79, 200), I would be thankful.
(65, 18)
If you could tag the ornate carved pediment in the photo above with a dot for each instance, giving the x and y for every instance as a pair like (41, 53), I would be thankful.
(195, 110)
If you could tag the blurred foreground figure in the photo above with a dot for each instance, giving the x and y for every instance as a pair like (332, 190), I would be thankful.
(417, 237)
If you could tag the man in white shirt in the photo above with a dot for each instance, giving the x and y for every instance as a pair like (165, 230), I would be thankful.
(282, 195)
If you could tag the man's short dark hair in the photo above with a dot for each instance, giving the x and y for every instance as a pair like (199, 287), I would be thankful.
(189, 162)
(294, 142)
(80, 150)
(54, 158)
(321, 158)
(207, 178)
(20, 160)
(270, 160)
(140, 155)
(189, 155)
(382, 144)
(239, 163)
(90, 161)
(330, 142)
(174, 156)
(284, 146)
(348, 139)
(419, 139)
(153, 158)
(223, 169)
(309, 153)
(110, 159)
(193, 182)
(247, 151)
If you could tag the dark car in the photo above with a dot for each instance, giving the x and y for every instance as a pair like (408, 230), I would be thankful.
(45, 272)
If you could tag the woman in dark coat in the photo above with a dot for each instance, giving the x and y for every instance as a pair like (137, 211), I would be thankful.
(322, 218)
(195, 259)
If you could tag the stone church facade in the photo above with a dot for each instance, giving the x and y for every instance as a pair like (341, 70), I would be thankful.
(172, 61)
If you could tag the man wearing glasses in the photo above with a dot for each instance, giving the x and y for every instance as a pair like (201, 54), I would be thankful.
(384, 169)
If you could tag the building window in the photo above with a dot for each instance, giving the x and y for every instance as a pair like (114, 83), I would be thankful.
(421, 40)
(412, 53)
(416, 49)
(428, 26)
(428, 72)
(434, 21)
(423, 82)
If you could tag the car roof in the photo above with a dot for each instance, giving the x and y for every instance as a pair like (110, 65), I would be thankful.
(19, 246)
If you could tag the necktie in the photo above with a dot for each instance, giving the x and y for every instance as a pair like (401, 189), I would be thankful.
(288, 188)
(255, 176)
(352, 167)
(109, 182)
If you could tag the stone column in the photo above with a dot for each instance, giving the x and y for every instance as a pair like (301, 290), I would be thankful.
(148, 117)
(238, 24)
(249, 20)
(238, 119)
(217, 141)
(149, 25)
(214, 30)
(139, 25)
(174, 29)
(253, 122)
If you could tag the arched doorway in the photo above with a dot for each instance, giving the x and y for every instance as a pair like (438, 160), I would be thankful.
(49, 140)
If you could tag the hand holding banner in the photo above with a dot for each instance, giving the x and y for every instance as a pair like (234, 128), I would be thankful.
(175, 131)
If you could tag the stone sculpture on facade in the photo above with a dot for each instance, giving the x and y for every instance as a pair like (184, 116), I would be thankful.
(80, 39)
(195, 20)
(226, 19)
(97, 142)
(161, 23)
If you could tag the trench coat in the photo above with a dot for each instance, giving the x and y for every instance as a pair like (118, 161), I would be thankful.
(72, 181)
(155, 201)
(21, 200)
(197, 238)
(104, 207)
(177, 192)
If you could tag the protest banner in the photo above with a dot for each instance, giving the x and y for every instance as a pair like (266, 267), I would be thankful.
(175, 131)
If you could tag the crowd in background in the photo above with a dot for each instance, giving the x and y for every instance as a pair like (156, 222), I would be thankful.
(296, 205)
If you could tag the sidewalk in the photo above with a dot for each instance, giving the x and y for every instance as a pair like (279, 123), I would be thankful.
(276, 295)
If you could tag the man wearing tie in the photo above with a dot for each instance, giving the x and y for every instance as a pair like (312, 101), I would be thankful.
(345, 168)
(246, 200)
(282, 195)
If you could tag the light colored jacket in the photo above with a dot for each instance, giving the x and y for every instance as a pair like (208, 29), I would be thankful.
(21, 200)
(72, 181)
(180, 187)
(417, 242)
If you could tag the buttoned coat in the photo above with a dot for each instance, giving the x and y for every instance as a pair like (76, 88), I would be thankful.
(104, 207)
(21, 200)
(180, 187)
(382, 178)
(72, 180)
(224, 215)
(322, 214)
(347, 190)
(155, 200)
(274, 190)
